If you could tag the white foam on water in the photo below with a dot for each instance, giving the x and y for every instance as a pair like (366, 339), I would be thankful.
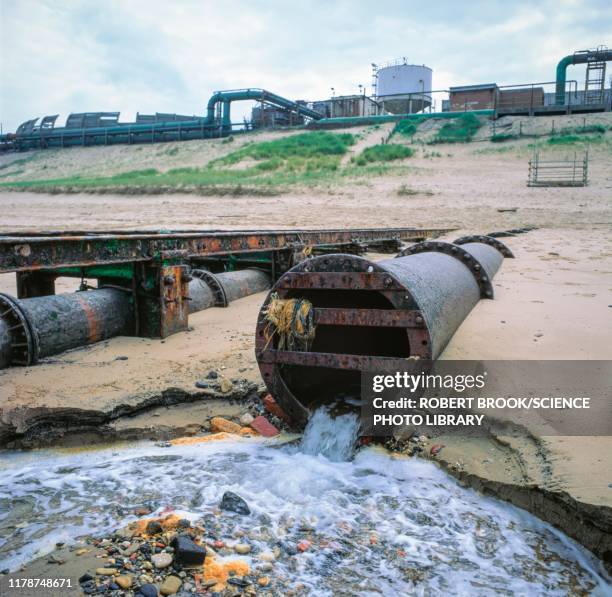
(378, 524)
(331, 436)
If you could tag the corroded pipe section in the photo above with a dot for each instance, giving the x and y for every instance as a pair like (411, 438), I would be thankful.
(65, 321)
(372, 314)
(34, 328)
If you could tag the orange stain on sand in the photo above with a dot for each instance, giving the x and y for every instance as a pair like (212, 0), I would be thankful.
(221, 571)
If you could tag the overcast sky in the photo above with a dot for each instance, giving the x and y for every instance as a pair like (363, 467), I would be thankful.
(59, 56)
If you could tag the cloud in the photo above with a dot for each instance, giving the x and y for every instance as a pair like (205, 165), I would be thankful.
(59, 56)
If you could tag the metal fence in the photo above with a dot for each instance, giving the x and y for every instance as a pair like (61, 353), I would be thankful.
(558, 173)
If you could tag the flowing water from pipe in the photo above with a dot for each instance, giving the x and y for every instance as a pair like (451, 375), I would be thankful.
(377, 524)
(332, 436)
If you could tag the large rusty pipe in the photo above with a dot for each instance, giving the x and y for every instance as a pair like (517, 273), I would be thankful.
(373, 313)
(34, 328)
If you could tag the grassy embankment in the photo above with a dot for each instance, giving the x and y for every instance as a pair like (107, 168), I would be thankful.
(255, 168)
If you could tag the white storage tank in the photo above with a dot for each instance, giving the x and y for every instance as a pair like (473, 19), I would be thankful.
(404, 88)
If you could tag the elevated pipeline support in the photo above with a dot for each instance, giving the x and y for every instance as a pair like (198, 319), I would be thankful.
(583, 57)
(35, 328)
(225, 98)
(370, 314)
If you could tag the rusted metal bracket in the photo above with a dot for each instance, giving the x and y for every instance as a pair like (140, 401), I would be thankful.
(340, 280)
(214, 284)
(24, 342)
(369, 317)
(474, 266)
(488, 240)
(350, 362)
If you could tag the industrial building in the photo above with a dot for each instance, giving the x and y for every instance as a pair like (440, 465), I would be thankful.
(348, 105)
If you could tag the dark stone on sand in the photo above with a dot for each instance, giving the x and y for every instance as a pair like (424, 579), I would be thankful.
(147, 591)
(188, 553)
(232, 502)
(85, 578)
(154, 528)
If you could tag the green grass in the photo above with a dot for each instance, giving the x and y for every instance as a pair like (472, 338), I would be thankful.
(305, 145)
(383, 153)
(405, 128)
(571, 139)
(312, 158)
(458, 130)
(582, 130)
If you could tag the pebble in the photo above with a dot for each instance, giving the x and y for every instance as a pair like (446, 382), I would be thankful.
(226, 386)
(264, 427)
(304, 545)
(218, 424)
(154, 528)
(106, 571)
(435, 449)
(265, 567)
(246, 419)
(232, 502)
(124, 581)
(85, 578)
(80, 552)
(212, 375)
(201, 384)
(242, 548)
(263, 581)
(161, 560)
(267, 556)
(171, 585)
(148, 590)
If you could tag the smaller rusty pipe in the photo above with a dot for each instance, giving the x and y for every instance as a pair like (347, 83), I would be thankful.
(243, 283)
(38, 327)
(200, 295)
(208, 289)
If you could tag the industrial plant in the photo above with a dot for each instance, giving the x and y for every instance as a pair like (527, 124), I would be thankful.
(399, 89)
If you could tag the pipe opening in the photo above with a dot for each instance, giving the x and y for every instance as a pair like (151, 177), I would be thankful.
(316, 385)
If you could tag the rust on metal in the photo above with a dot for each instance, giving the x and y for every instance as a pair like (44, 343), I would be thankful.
(32, 251)
(340, 281)
(474, 266)
(369, 317)
(348, 362)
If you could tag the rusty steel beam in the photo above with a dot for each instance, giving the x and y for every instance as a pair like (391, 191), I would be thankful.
(372, 315)
(30, 252)
(369, 317)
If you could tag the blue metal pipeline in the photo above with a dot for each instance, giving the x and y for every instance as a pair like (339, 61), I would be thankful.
(199, 128)
(227, 97)
(583, 57)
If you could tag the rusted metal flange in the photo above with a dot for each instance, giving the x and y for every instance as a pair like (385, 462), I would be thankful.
(473, 265)
(489, 240)
(24, 341)
(214, 284)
